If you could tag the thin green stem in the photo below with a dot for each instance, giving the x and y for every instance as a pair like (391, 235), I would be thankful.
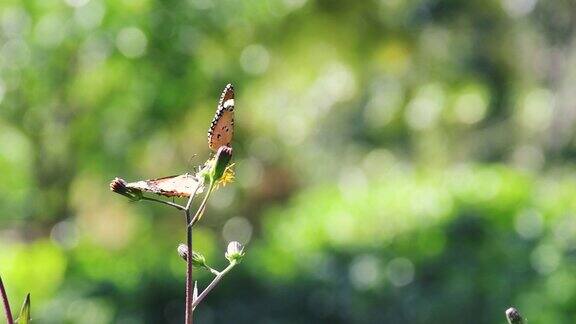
(202, 207)
(212, 270)
(189, 203)
(180, 207)
(213, 284)
(9, 318)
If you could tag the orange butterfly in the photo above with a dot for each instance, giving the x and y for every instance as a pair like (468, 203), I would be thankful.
(219, 134)
(222, 127)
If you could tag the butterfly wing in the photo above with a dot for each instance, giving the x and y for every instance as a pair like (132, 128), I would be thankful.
(182, 185)
(221, 129)
(220, 134)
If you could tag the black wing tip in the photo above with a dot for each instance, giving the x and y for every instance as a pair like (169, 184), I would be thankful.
(227, 93)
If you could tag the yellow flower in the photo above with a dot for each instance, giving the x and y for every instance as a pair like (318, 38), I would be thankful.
(227, 177)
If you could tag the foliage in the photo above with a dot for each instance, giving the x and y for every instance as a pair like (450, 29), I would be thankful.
(402, 160)
(24, 317)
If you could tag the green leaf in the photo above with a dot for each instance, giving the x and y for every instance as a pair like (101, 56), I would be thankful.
(24, 317)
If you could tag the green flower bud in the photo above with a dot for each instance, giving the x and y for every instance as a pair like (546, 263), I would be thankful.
(221, 161)
(234, 252)
(198, 259)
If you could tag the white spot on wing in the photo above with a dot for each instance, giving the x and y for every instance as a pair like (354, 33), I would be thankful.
(229, 103)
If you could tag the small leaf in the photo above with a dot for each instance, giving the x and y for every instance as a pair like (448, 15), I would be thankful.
(195, 292)
(24, 317)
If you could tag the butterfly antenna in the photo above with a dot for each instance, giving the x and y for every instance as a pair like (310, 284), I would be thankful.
(190, 161)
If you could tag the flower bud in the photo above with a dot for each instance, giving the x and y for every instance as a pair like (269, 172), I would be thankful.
(118, 185)
(183, 251)
(513, 316)
(234, 252)
(221, 160)
(198, 259)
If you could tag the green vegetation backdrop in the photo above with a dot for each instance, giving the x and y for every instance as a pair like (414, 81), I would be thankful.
(398, 161)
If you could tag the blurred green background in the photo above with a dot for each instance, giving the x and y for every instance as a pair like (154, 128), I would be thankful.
(398, 161)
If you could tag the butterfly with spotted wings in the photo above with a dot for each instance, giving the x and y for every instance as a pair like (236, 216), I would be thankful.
(221, 129)
(220, 134)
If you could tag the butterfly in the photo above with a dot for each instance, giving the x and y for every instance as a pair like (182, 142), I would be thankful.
(221, 129)
(219, 134)
(182, 185)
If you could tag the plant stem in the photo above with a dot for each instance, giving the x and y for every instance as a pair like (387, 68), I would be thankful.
(202, 207)
(188, 268)
(9, 318)
(213, 271)
(189, 290)
(165, 202)
(213, 284)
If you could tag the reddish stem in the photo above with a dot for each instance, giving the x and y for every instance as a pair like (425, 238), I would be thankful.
(9, 318)
(189, 281)
(189, 317)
